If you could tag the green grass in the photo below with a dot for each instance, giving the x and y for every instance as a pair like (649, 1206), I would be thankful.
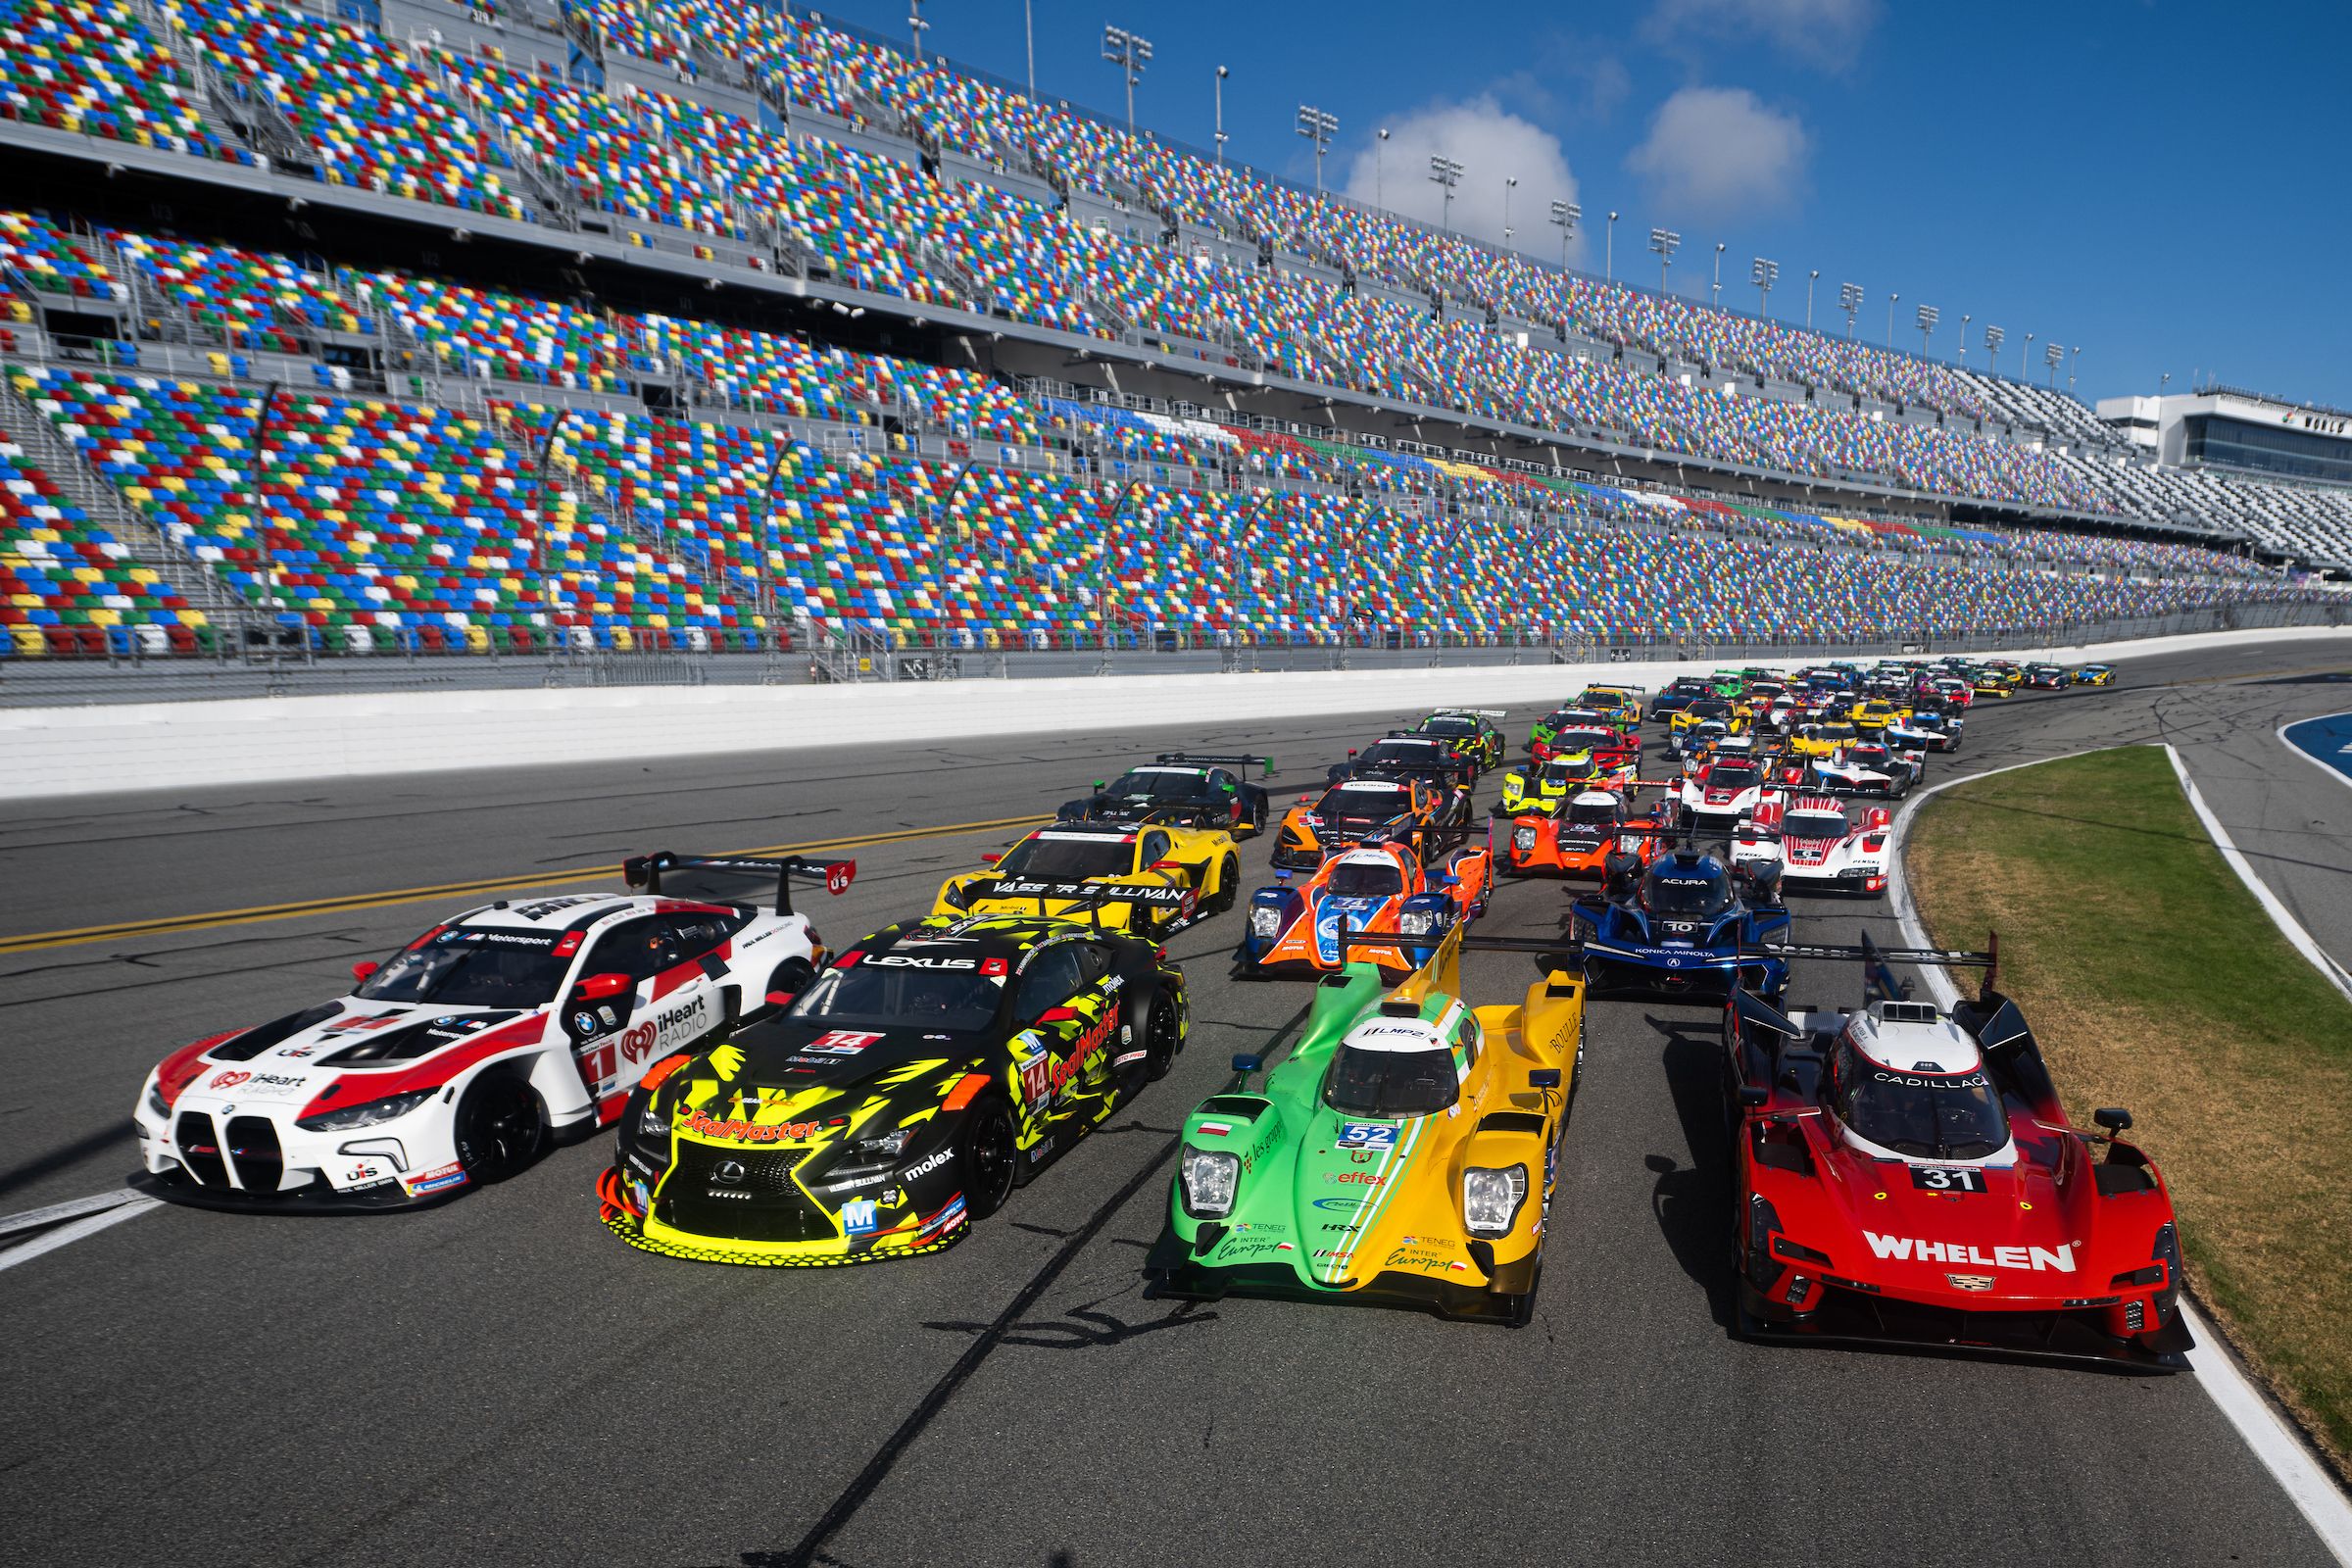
(2154, 980)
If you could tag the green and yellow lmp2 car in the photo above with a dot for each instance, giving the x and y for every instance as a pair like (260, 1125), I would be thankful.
(1403, 1152)
(923, 1075)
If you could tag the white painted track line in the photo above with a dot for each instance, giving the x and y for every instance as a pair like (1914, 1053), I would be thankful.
(35, 1218)
(2273, 1441)
(114, 1213)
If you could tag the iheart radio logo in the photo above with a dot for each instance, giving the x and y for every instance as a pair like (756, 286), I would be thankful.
(227, 1080)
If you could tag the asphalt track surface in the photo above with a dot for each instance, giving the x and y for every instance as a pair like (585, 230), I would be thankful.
(499, 1381)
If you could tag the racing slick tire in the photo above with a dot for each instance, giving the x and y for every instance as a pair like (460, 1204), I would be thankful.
(793, 977)
(1259, 809)
(990, 1160)
(1161, 1038)
(1229, 884)
(501, 1128)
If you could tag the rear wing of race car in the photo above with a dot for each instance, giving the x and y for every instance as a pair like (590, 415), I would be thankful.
(1470, 713)
(1091, 896)
(725, 878)
(1204, 759)
(1878, 980)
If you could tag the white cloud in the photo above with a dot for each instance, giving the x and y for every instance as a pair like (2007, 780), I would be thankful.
(1492, 145)
(1825, 32)
(1717, 152)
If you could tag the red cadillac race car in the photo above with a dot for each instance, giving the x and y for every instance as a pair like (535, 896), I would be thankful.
(1907, 1174)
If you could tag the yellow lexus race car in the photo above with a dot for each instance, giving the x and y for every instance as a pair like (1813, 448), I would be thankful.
(1403, 1151)
(1622, 704)
(1821, 740)
(1150, 879)
(1873, 714)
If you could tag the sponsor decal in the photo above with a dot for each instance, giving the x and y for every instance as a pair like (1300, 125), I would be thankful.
(1357, 1178)
(277, 1086)
(1237, 1249)
(1213, 1129)
(547, 907)
(227, 1080)
(860, 1216)
(855, 1184)
(583, 1023)
(676, 1027)
(842, 1041)
(438, 1179)
(927, 1166)
(938, 1224)
(2035, 1259)
(1366, 1135)
(745, 1132)
(509, 938)
(901, 961)
(1342, 1204)
(1426, 1261)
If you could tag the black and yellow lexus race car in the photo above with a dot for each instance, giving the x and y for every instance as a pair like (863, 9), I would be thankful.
(1151, 880)
(922, 1077)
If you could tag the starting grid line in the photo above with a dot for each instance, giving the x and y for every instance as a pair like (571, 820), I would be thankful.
(83, 1217)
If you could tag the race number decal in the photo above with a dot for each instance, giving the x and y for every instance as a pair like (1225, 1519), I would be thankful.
(1947, 1179)
(1370, 1135)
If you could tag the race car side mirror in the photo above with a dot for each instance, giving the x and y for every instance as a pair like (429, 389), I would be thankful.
(1100, 785)
(781, 998)
(1544, 1078)
(602, 987)
(992, 857)
(2115, 1118)
(1246, 1062)
(1755, 1097)
(363, 969)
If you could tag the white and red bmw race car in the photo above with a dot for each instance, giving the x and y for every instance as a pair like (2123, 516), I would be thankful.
(1816, 847)
(1722, 791)
(461, 1058)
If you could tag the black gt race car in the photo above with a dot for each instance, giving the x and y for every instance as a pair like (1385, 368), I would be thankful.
(922, 1077)
(1183, 789)
(1472, 732)
(1409, 754)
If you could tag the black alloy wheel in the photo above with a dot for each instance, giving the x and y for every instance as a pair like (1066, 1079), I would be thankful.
(500, 1129)
(991, 1162)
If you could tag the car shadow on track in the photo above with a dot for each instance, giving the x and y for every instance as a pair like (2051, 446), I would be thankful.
(1691, 1202)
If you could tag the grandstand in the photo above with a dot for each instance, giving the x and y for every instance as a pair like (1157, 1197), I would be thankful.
(963, 368)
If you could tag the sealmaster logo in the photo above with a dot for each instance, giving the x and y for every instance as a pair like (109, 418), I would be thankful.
(1904, 1249)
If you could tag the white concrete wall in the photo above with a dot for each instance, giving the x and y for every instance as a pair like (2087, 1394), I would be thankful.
(88, 750)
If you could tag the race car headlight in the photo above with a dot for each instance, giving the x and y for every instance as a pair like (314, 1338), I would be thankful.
(653, 1121)
(157, 1104)
(1209, 1179)
(1265, 923)
(1762, 1223)
(1416, 922)
(885, 1145)
(367, 1115)
(1523, 839)
(1491, 1199)
(955, 898)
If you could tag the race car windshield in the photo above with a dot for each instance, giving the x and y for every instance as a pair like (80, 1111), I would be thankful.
(1358, 805)
(1727, 776)
(1450, 726)
(1160, 786)
(1600, 814)
(1835, 732)
(1709, 708)
(1390, 1083)
(1584, 740)
(1946, 1117)
(1407, 754)
(1365, 880)
(1687, 896)
(1814, 825)
(1873, 755)
(473, 968)
(879, 997)
(1070, 860)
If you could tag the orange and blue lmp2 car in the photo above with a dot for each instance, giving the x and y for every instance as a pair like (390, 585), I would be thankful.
(1384, 886)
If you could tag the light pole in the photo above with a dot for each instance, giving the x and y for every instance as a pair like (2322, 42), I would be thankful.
(1318, 128)
(1029, 37)
(1993, 348)
(1718, 287)
(1849, 300)
(2051, 354)
(1130, 53)
(1927, 315)
(1890, 302)
(1763, 274)
(1564, 216)
(1608, 252)
(917, 27)
(1965, 318)
(1664, 241)
(1380, 143)
(1510, 183)
(2022, 355)
(1446, 174)
(2074, 362)
(1811, 279)
(1222, 73)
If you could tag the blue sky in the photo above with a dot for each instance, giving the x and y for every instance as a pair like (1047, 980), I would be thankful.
(2161, 183)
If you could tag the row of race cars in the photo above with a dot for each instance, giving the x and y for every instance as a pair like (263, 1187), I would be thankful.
(1902, 1171)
